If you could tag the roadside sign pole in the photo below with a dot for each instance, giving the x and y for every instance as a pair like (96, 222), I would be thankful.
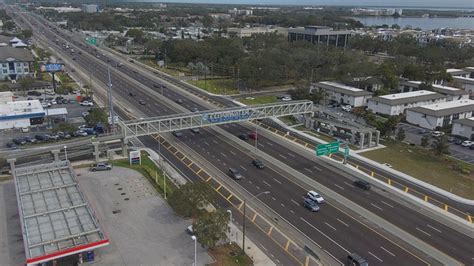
(346, 152)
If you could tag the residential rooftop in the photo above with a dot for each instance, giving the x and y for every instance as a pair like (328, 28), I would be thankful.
(446, 108)
(11, 54)
(341, 88)
(467, 121)
(408, 97)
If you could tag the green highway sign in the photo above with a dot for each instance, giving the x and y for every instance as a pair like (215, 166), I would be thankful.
(326, 149)
(346, 151)
(91, 40)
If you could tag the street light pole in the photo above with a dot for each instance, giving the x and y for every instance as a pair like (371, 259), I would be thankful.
(256, 138)
(65, 152)
(230, 221)
(243, 223)
(195, 249)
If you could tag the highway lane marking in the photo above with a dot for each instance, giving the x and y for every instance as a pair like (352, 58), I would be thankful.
(276, 180)
(434, 228)
(387, 251)
(257, 187)
(223, 155)
(422, 231)
(295, 202)
(261, 145)
(282, 156)
(233, 153)
(338, 186)
(205, 142)
(391, 206)
(269, 143)
(283, 205)
(309, 170)
(273, 198)
(375, 256)
(214, 141)
(376, 206)
(245, 169)
(292, 155)
(266, 183)
(292, 211)
(317, 168)
(347, 184)
(332, 240)
(330, 226)
(250, 182)
(342, 222)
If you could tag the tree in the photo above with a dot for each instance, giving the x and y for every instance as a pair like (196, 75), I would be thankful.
(26, 82)
(401, 134)
(440, 146)
(425, 141)
(97, 115)
(27, 34)
(136, 34)
(211, 227)
(189, 199)
(64, 127)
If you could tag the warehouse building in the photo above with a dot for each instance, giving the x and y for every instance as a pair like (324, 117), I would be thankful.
(438, 115)
(395, 104)
(342, 94)
(450, 92)
(319, 35)
(464, 127)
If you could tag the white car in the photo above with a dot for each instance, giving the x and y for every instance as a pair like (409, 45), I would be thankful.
(54, 102)
(347, 108)
(84, 114)
(25, 129)
(87, 103)
(467, 143)
(286, 99)
(313, 195)
(437, 134)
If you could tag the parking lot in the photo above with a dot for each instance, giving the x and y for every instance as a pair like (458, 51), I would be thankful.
(413, 135)
(141, 226)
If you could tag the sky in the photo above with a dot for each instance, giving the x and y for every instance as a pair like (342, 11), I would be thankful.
(405, 3)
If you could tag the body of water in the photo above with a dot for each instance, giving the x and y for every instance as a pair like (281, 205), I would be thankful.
(418, 22)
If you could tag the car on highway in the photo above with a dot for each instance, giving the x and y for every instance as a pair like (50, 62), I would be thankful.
(179, 101)
(119, 64)
(362, 184)
(142, 102)
(177, 134)
(467, 143)
(194, 109)
(86, 103)
(437, 134)
(235, 174)
(313, 195)
(257, 163)
(311, 205)
(243, 137)
(356, 260)
(195, 130)
(101, 167)
(132, 94)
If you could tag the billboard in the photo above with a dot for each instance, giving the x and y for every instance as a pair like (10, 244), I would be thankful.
(52, 67)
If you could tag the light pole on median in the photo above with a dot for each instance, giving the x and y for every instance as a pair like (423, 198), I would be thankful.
(256, 138)
(195, 249)
(243, 223)
(230, 221)
(65, 152)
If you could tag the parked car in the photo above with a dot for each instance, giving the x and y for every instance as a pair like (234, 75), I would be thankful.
(132, 94)
(437, 134)
(362, 184)
(12, 146)
(257, 163)
(81, 133)
(346, 108)
(101, 167)
(41, 137)
(243, 137)
(25, 129)
(189, 230)
(451, 139)
(458, 141)
(84, 114)
(313, 195)
(286, 99)
(235, 174)
(29, 139)
(466, 143)
(90, 131)
(311, 205)
(64, 135)
(19, 141)
(422, 131)
(86, 103)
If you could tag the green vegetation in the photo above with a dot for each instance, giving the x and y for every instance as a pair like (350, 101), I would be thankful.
(64, 127)
(191, 199)
(230, 255)
(216, 86)
(440, 171)
(150, 171)
(210, 227)
(263, 99)
(97, 115)
(289, 120)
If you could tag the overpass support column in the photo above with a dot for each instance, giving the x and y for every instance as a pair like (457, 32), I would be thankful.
(124, 148)
(370, 140)
(12, 162)
(377, 137)
(96, 152)
(362, 139)
(56, 155)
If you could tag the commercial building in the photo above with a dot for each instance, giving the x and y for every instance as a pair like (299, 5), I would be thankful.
(5, 97)
(450, 92)
(464, 127)
(56, 219)
(319, 35)
(440, 114)
(15, 63)
(395, 104)
(247, 32)
(90, 8)
(21, 114)
(342, 94)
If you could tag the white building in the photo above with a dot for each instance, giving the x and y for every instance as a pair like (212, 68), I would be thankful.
(395, 104)
(450, 92)
(440, 114)
(458, 72)
(342, 94)
(464, 127)
(90, 8)
(21, 114)
(247, 32)
(466, 83)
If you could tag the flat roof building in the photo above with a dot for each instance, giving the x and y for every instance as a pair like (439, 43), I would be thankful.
(395, 104)
(56, 219)
(464, 127)
(450, 92)
(342, 94)
(21, 114)
(458, 72)
(90, 8)
(439, 115)
(466, 83)
(319, 35)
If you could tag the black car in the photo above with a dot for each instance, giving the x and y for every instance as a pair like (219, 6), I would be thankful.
(243, 137)
(458, 141)
(362, 184)
(19, 141)
(142, 102)
(180, 101)
(41, 137)
(11, 145)
(132, 94)
(257, 163)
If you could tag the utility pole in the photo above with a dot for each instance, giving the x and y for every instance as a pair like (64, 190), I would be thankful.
(111, 105)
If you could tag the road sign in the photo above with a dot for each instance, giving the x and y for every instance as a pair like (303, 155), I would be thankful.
(91, 40)
(52, 67)
(135, 157)
(346, 151)
(326, 149)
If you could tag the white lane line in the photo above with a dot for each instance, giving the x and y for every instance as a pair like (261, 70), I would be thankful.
(347, 184)
(434, 228)
(332, 240)
(375, 256)
(245, 169)
(342, 222)
(292, 211)
(283, 205)
(317, 168)
(233, 153)
(205, 142)
(276, 180)
(292, 155)
(295, 202)
(269, 143)
(387, 251)
(376, 206)
(261, 145)
(309, 170)
(273, 198)
(250, 182)
(338, 186)
(214, 141)
(257, 187)
(422, 231)
(391, 206)
(330, 226)
(223, 155)
(263, 247)
(282, 156)
(266, 183)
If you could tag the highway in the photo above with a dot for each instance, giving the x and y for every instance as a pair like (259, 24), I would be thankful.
(332, 228)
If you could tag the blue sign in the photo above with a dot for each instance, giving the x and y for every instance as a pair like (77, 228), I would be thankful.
(53, 67)
(227, 116)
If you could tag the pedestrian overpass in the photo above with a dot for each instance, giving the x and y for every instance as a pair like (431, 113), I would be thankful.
(154, 125)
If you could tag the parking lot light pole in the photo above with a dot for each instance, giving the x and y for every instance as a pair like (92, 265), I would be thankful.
(195, 249)
(243, 223)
